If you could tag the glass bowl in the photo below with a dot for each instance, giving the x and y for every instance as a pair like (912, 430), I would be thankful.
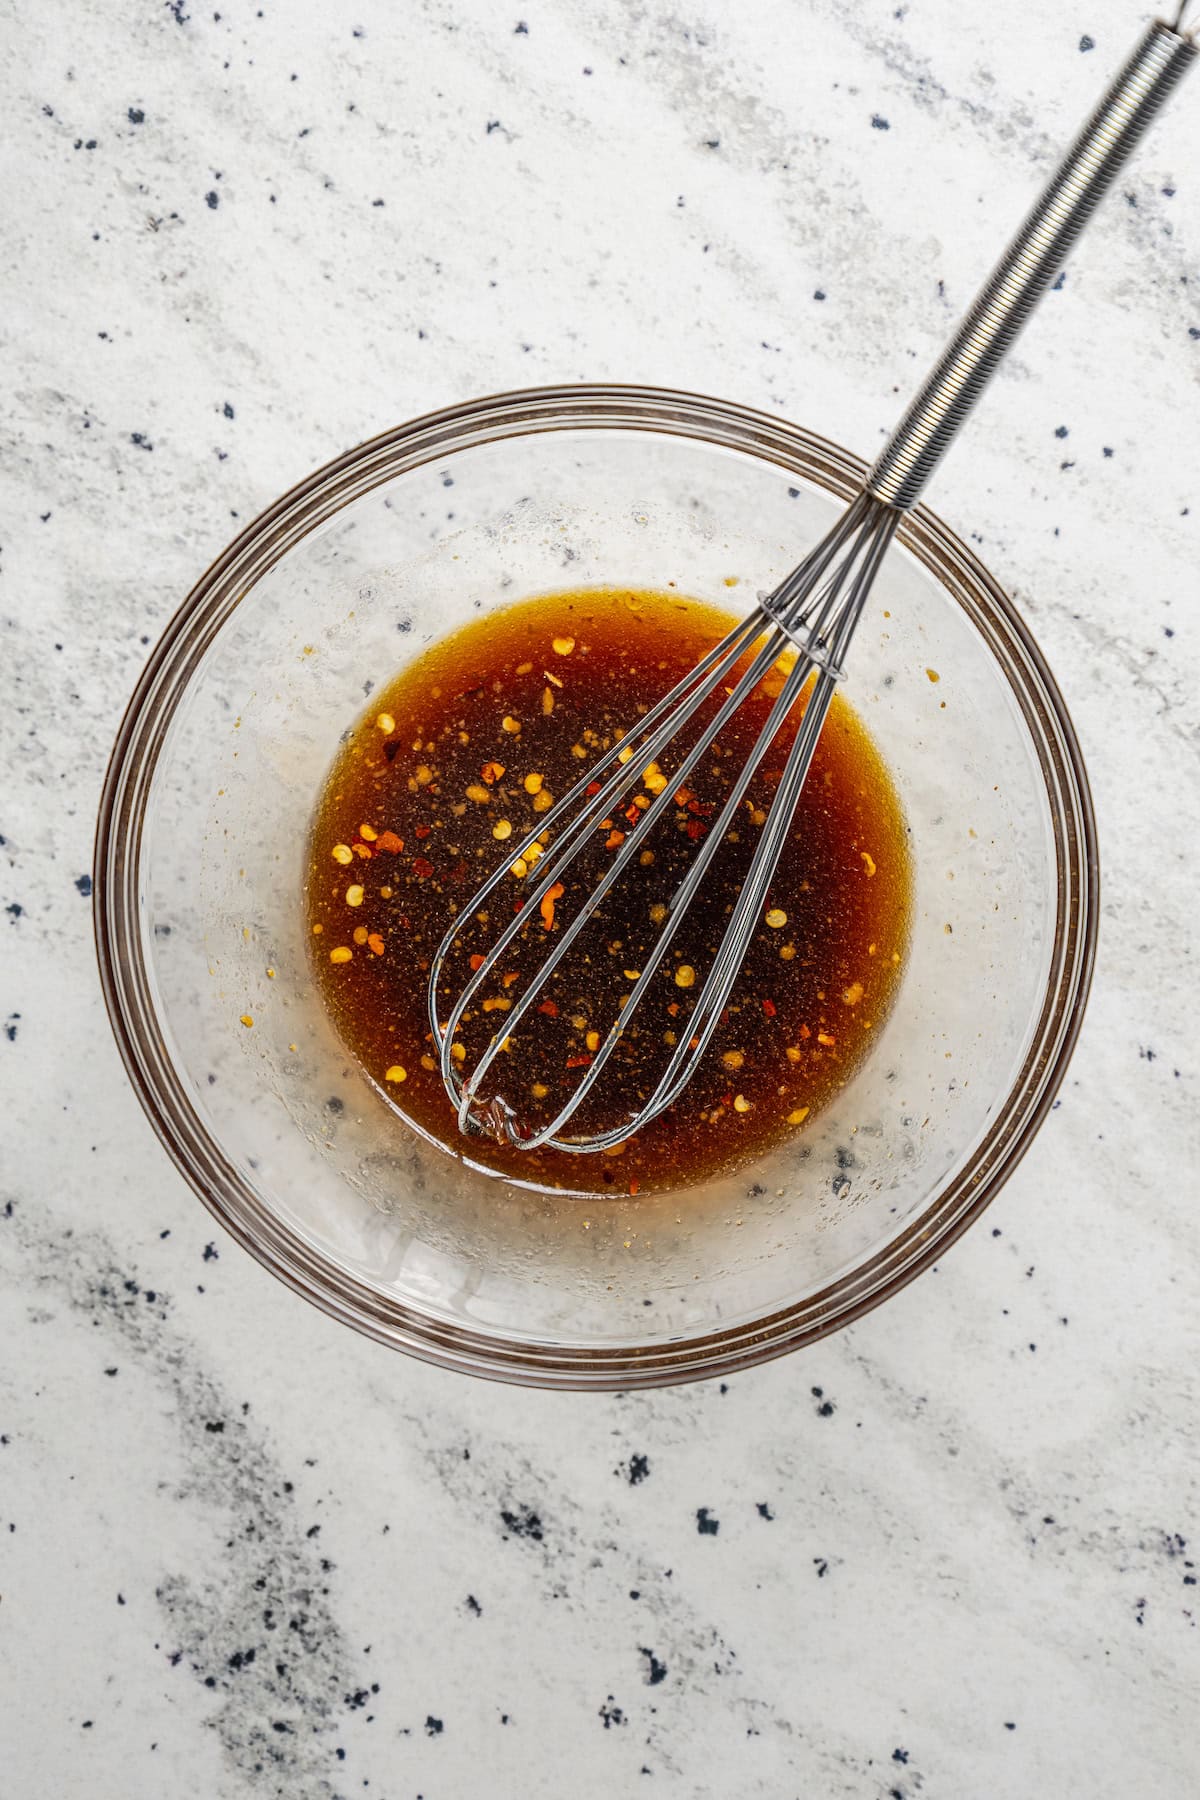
(199, 919)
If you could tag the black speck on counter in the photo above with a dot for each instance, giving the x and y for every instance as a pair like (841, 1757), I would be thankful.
(227, 410)
(879, 123)
(706, 1525)
(825, 1408)
(764, 1511)
(523, 1523)
(636, 1469)
(474, 1606)
(1060, 431)
(84, 885)
(1087, 43)
(212, 199)
(211, 1253)
(433, 1727)
(611, 1715)
(900, 1756)
(656, 1671)
(136, 116)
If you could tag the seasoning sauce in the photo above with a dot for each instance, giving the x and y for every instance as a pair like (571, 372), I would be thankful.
(460, 755)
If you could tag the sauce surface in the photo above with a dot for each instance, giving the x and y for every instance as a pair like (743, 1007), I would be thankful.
(460, 754)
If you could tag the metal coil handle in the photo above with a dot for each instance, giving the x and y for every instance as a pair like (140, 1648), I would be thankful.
(1030, 265)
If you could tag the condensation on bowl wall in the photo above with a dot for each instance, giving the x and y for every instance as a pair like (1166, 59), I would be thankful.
(290, 1141)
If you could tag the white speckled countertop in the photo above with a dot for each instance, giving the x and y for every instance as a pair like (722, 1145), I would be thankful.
(951, 1552)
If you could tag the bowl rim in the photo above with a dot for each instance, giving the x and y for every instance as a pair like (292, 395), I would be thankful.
(128, 992)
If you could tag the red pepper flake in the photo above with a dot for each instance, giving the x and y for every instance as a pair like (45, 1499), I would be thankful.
(673, 1007)
(578, 1062)
(769, 1008)
(387, 840)
(613, 839)
(696, 829)
(634, 1185)
(701, 808)
(363, 850)
(592, 789)
(632, 812)
(375, 943)
(548, 1007)
(422, 868)
(424, 830)
(477, 962)
(804, 1031)
(547, 906)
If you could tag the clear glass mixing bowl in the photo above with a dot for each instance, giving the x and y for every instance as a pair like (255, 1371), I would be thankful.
(201, 844)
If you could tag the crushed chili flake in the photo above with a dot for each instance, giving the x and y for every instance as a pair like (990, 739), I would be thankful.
(549, 1008)
(387, 840)
(422, 868)
(768, 1007)
(547, 904)
(578, 1062)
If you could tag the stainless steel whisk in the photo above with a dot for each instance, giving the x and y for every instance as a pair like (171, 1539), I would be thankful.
(812, 614)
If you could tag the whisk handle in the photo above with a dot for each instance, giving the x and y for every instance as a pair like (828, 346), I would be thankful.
(1029, 266)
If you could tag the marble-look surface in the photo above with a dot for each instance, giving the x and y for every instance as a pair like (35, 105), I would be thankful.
(950, 1553)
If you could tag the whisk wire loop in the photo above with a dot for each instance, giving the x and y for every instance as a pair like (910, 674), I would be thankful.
(815, 608)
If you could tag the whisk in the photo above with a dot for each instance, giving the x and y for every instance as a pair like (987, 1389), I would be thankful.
(809, 619)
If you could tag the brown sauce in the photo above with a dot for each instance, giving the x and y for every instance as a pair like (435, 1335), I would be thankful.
(460, 754)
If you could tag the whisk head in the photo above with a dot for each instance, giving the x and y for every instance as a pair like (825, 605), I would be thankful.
(795, 640)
